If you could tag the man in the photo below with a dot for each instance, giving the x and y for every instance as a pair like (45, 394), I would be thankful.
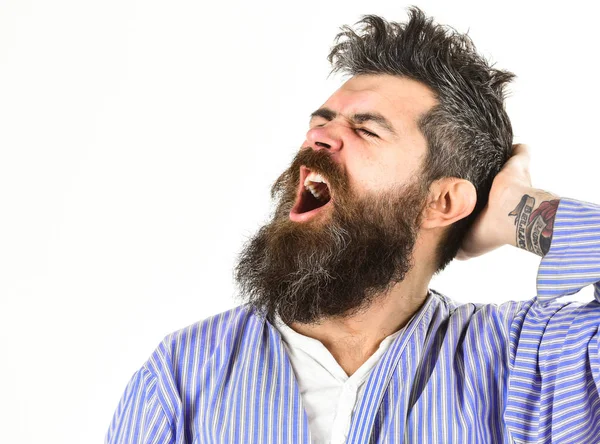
(406, 166)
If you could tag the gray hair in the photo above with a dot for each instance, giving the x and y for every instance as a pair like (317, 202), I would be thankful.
(468, 133)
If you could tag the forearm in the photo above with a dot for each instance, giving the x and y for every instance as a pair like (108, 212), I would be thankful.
(527, 219)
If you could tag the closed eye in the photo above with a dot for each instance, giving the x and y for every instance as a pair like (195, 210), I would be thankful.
(362, 130)
(366, 132)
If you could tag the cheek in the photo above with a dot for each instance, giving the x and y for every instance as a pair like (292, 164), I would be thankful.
(363, 175)
(368, 174)
(381, 177)
(398, 171)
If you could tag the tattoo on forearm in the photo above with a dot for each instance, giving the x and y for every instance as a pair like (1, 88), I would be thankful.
(535, 227)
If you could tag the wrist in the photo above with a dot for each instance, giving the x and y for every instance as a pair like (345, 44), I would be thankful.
(530, 213)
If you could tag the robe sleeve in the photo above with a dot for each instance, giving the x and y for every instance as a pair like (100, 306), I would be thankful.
(150, 409)
(553, 391)
(573, 260)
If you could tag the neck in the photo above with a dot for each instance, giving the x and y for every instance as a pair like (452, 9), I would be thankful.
(353, 340)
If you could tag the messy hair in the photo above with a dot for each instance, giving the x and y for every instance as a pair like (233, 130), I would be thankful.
(468, 132)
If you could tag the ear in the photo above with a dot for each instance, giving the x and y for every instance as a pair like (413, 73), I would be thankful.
(450, 199)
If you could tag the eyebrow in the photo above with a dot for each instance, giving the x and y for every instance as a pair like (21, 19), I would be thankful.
(329, 114)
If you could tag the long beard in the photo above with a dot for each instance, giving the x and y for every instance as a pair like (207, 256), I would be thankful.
(334, 267)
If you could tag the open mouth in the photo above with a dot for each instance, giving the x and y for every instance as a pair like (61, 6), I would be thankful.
(313, 196)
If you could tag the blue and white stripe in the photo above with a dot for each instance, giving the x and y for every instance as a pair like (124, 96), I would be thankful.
(522, 372)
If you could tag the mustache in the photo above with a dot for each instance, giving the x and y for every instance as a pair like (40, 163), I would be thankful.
(319, 160)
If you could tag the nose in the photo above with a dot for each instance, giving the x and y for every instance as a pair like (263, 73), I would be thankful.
(324, 136)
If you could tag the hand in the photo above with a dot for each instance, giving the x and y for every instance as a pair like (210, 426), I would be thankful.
(493, 227)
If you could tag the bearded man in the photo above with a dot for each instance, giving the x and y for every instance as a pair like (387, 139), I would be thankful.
(408, 165)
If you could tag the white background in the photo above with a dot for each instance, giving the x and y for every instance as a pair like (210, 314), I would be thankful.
(138, 143)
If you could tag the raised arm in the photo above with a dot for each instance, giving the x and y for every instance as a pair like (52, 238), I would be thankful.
(553, 379)
(564, 232)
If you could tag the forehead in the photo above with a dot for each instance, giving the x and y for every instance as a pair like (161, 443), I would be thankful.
(399, 99)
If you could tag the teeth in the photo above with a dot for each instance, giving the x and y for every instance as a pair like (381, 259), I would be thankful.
(321, 193)
(314, 177)
(317, 185)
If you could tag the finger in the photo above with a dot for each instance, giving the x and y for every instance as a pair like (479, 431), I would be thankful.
(521, 149)
(461, 255)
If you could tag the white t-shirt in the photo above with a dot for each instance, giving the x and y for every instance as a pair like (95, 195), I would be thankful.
(328, 394)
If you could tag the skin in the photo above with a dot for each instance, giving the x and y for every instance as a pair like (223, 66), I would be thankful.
(375, 164)
(497, 224)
